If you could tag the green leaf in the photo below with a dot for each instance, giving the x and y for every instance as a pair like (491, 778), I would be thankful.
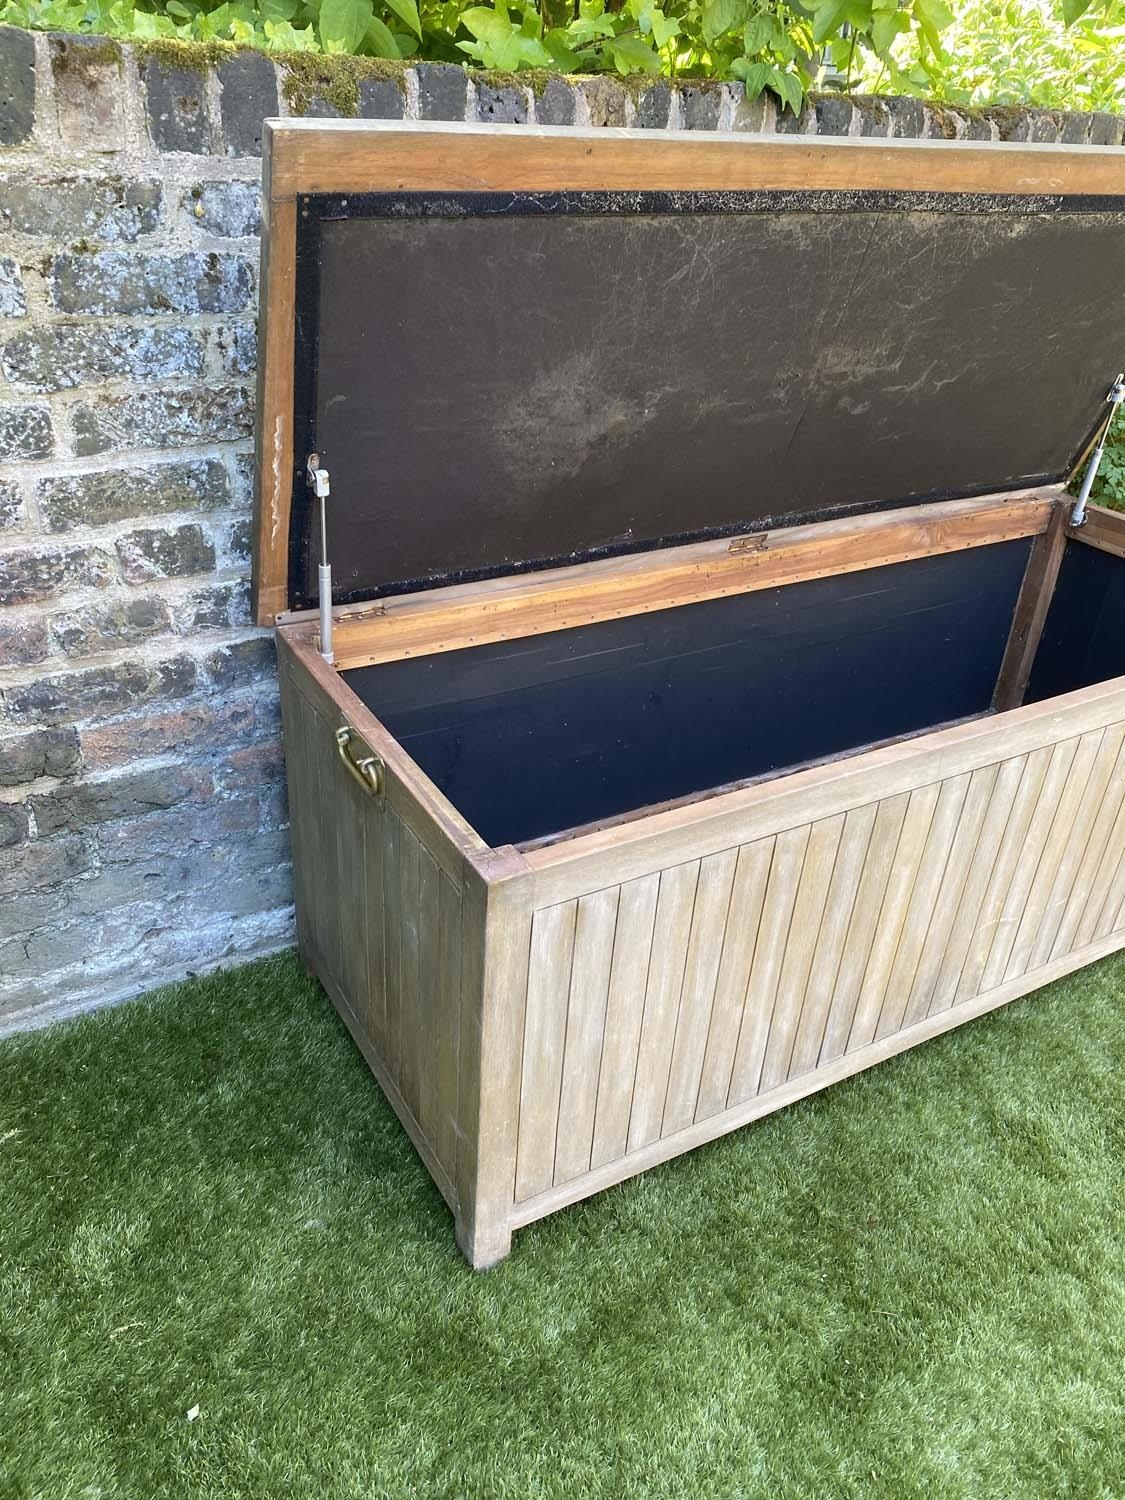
(343, 23)
(754, 75)
(1072, 9)
(935, 15)
(885, 28)
(407, 11)
(827, 19)
(758, 32)
(378, 40)
(788, 89)
(632, 55)
(721, 16)
(664, 28)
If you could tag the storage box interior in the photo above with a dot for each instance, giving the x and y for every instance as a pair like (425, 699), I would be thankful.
(535, 736)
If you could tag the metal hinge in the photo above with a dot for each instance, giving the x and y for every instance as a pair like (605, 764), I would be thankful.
(1115, 398)
(322, 487)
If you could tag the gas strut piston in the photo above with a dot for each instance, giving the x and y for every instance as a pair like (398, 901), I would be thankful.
(318, 478)
(1115, 398)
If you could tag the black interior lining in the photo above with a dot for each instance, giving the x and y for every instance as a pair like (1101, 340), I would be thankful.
(535, 736)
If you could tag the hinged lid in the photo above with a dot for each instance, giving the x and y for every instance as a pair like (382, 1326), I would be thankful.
(513, 349)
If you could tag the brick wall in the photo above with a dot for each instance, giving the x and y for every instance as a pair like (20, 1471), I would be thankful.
(143, 827)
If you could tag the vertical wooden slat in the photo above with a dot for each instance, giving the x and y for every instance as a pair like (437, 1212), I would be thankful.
(411, 937)
(447, 1038)
(769, 956)
(674, 907)
(595, 926)
(1059, 837)
(296, 715)
(375, 1012)
(1110, 916)
(896, 904)
(855, 842)
(957, 869)
(1030, 613)
(423, 1028)
(748, 896)
(353, 810)
(632, 946)
(705, 949)
(870, 895)
(927, 884)
(1080, 860)
(982, 869)
(800, 948)
(548, 991)
(1033, 772)
(393, 835)
(1099, 886)
(1027, 862)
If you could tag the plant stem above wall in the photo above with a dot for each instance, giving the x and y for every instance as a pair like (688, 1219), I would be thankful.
(1059, 53)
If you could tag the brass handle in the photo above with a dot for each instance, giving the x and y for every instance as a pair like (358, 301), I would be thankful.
(366, 767)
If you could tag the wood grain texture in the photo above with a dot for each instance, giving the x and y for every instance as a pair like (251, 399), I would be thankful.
(349, 156)
(1031, 611)
(471, 614)
(273, 452)
(1104, 529)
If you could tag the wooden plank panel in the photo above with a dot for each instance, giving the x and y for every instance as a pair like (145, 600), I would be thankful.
(447, 1037)
(472, 614)
(350, 809)
(1027, 863)
(1008, 855)
(674, 907)
(982, 784)
(1093, 895)
(297, 715)
(273, 466)
(1009, 775)
(422, 1027)
(1104, 529)
(595, 929)
(1080, 861)
(349, 156)
(927, 885)
(748, 894)
(800, 949)
(628, 980)
(870, 895)
(410, 939)
(1111, 906)
(1059, 839)
(697, 995)
(393, 835)
(896, 905)
(375, 1011)
(769, 956)
(548, 993)
(855, 841)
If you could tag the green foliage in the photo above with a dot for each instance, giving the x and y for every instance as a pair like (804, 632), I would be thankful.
(1066, 53)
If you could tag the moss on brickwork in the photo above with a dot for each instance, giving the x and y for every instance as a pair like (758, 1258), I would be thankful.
(335, 78)
(194, 57)
(84, 56)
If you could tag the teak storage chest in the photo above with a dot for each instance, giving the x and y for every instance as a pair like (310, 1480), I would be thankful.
(722, 700)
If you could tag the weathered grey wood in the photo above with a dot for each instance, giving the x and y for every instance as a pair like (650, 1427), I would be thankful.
(548, 995)
(636, 922)
(1080, 858)
(594, 933)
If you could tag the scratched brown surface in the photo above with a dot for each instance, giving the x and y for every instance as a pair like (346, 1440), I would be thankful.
(496, 391)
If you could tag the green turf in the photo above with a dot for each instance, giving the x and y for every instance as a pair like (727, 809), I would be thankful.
(912, 1285)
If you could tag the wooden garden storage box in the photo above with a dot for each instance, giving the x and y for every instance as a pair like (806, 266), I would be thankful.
(721, 700)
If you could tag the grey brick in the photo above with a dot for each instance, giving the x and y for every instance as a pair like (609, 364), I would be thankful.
(227, 210)
(239, 541)
(501, 106)
(17, 86)
(13, 298)
(31, 574)
(788, 123)
(25, 432)
(110, 209)
(148, 554)
(22, 642)
(131, 794)
(555, 106)
(89, 99)
(874, 117)
(653, 107)
(45, 752)
(605, 101)
(107, 495)
(119, 281)
(44, 862)
(248, 95)
(11, 505)
(1106, 130)
(381, 99)
(243, 663)
(94, 692)
(104, 627)
(1075, 129)
(216, 608)
(236, 349)
(59, 356)
(700, 105)
(1044, 127)
(170, 831)
(178, 115)
(750, 114)
(1014, 126)
(163, 419)
(13, 824)
(978, 127)
(907, 118)
(443, 92)
(833, 116)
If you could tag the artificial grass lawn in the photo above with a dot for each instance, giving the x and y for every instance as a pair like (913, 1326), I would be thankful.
(913, 1284)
